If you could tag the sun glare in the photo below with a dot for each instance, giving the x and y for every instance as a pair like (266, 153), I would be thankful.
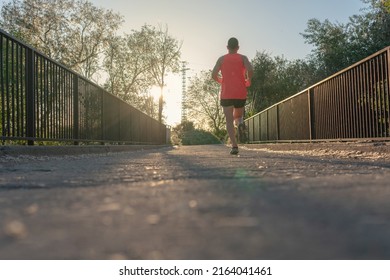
(172, 97)
(155, 92)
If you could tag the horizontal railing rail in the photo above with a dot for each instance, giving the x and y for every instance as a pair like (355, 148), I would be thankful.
(41, 100)
(351, 104)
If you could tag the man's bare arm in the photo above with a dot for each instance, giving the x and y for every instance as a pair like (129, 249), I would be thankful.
(248, 67)
(216, 69)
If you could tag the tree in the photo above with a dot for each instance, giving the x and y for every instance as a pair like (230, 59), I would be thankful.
(276, 78)
(203, 104)
(37, 22)
(128, 64)
(165, 58)
(339, 45)
(387, 5)
(91, 29)
(260, 93)
(331, 43)
(83, 37)
(379, 25)
(68, 31)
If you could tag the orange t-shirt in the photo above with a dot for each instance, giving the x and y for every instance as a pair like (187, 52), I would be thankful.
(233, 77)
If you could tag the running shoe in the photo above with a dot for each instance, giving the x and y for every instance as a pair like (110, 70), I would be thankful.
(234, 151)
(242, 133)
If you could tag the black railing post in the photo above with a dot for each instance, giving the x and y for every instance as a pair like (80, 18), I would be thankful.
(75, 109)
(267, 128)
(388, 92)
(103, 126)
(277, 123)
(30, 102)
(310, 96)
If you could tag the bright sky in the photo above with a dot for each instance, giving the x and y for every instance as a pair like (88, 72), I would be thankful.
(204, 26)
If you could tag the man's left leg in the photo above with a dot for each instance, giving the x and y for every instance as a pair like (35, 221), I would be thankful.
(238, 114)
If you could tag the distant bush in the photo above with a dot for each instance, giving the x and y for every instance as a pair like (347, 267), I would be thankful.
(186, 134)
(198, 137)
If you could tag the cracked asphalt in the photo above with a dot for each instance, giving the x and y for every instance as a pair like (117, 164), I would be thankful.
(198, 202)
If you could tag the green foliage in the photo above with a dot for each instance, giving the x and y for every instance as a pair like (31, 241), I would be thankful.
(186, 126)
(186, 134)
(71, 32)
(199, 137)
(127, 61)
(83, 37)
(387, 5)
(276, 78)
(202, 104)
(337, 46)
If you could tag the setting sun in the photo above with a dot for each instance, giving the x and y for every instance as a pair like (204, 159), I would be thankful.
(172, 94)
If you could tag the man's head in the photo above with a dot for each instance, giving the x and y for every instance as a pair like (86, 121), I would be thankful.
(232, 44)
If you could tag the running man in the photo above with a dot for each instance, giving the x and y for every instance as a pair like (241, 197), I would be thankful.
(234, 72)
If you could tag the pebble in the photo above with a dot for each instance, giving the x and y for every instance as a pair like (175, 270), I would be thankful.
(153, 219)
(32, 209)
(193, 203)
(15, 229)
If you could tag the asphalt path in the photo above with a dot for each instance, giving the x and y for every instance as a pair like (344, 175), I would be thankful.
(195, 202)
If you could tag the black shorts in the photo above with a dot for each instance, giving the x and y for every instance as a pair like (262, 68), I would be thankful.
(237, 103)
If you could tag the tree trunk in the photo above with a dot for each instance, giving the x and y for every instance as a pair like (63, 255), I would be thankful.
(160, 105)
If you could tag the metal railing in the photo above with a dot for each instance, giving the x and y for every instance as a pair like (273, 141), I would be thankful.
(351, 104)
(41, 100)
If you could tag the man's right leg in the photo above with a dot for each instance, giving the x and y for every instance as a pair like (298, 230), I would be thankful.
(228, 111)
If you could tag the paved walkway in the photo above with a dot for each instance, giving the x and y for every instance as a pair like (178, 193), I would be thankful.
(197, 202)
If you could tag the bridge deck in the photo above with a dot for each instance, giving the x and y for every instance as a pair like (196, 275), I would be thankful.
(198, 202)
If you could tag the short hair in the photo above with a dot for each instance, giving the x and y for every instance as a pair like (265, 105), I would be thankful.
(232, 43)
